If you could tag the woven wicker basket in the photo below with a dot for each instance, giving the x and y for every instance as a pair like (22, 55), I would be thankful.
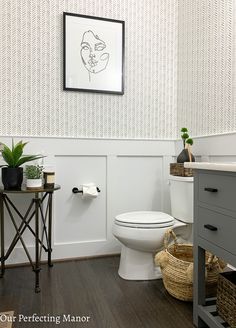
(176, 263)
(178, 169)
(226, 297)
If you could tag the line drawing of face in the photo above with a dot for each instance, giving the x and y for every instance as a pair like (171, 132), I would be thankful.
(94, 57)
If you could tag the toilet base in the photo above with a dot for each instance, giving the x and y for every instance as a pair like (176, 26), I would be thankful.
(137, 265)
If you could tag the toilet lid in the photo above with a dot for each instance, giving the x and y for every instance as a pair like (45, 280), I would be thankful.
(145, 219)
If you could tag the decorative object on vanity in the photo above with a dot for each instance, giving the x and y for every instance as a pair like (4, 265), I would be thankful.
(226, 297)
(12, 172)
(186, 155)
(176, 263)
(93, 54)
(34, 174)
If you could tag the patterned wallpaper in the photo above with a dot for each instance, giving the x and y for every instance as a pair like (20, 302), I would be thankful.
(32, 102)
(206, 66)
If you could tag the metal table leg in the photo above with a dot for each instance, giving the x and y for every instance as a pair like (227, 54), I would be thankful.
(2, 236)
(37, 264)
(50, 230)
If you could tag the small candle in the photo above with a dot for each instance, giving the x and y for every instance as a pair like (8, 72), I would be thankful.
(49, 179)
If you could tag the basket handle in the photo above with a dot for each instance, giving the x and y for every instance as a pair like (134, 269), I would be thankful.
(211, 260)
(208, 266)
(168, 234)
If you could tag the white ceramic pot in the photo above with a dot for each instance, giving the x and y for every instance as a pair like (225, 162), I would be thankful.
(34, 183)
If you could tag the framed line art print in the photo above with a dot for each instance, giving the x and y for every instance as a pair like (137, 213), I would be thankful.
(93, 54)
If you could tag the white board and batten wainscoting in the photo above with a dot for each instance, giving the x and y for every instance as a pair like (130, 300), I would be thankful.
(131, 174)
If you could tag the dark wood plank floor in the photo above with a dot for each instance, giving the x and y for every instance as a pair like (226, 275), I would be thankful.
(92, 288)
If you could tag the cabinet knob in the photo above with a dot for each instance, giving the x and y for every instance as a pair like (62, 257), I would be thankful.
(210, 189)
(210, 227)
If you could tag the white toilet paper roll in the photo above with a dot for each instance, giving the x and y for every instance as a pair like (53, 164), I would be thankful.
(89, 190)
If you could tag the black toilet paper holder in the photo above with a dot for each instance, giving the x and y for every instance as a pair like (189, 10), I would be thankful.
(75, 190)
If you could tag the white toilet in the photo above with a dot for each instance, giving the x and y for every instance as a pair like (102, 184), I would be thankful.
(142, 233)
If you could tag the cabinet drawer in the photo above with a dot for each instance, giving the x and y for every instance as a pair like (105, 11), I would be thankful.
(218, 190)
(225, 229)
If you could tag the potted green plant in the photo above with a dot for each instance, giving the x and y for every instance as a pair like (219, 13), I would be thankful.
(33, 174)
(12, 172)
(186, 155)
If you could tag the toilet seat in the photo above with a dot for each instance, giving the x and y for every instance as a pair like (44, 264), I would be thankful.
(145, 220)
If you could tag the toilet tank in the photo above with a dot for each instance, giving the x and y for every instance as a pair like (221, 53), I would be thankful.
(181, 197)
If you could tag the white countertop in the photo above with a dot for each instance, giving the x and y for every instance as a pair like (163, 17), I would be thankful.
(230, 167)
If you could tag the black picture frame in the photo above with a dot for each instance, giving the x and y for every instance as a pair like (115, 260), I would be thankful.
(93, 54)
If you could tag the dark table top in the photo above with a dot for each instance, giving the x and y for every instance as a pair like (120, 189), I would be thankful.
(25, 190)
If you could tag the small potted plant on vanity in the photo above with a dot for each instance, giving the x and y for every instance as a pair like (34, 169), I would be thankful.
(12, 172)
(33, 174)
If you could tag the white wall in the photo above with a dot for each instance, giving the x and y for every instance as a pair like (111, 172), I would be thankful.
(31, 72)
(132, 175)
(206, 66)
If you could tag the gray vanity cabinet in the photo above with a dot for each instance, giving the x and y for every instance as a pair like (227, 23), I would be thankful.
(214, 231)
